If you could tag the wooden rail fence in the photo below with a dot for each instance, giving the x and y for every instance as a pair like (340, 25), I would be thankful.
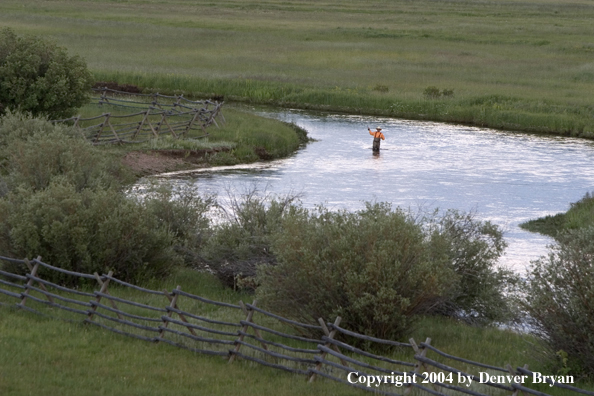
(248, 332)
(156, 115)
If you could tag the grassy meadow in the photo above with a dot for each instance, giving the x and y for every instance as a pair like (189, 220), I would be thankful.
(68, 358)
(509, 64)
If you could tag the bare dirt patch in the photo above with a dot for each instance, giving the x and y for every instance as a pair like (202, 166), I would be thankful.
(144, 163)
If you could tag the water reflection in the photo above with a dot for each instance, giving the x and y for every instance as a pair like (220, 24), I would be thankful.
(505, 177)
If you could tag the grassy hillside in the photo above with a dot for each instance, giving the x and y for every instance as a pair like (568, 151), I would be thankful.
(506, 64)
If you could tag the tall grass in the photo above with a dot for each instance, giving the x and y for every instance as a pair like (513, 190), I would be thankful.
(512, 65)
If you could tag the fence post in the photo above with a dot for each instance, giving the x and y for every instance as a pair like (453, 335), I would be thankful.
(76, 120)
(417, 371)
(164, 121)
(196, 114)
(213, 115)
(103, 96)
(155, 102)
(173, 305)
(256, 331)
(330, 335)
(103, 290)
(177, 102)
(249, 314)
(106, 115)
(112, 129)
(513, 372)
(141, 124)
(30, 283)
(219, 111)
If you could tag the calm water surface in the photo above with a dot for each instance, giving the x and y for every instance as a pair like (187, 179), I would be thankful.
(504, 177)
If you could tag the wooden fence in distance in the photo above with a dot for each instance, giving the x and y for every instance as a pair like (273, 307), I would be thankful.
(155, 115)
(271, 340)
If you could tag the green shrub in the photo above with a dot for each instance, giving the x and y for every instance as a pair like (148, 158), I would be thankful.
(243, 240)
(560, 300)
(185, 213)
(381, 88)
(472, 248)
(62, 199)
(448, 93)
(34, 152)
(433, 92)
(39, 77)
(371, 267)
(86, 231)
(381, 268)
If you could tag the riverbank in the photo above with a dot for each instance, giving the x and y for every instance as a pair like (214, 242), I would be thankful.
(507, 65)
(242, 138)
(580, 215)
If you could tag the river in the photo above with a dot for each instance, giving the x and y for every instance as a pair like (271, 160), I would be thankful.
(504, 177)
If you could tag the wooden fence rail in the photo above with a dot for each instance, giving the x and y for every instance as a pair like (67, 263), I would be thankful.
(248, 332)
(156, 116)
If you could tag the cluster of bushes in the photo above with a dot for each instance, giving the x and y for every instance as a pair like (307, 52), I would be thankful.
(560, 289)
(64, 200)
(379, 268)
(243, 241)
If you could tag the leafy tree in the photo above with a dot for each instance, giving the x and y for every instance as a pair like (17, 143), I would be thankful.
(39, 77)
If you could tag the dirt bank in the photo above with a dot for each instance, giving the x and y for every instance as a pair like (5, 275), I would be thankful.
(144, 163)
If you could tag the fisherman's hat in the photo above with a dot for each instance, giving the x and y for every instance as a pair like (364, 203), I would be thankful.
(380, 128)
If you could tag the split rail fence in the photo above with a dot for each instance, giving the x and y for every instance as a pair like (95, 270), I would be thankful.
(245, 331)
(155, 115)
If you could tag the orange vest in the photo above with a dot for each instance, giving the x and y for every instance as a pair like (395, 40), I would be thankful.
(377, 134)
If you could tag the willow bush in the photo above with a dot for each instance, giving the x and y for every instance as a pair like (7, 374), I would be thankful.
(560, 301)
(185, 213)
(471, 249)
(63, 199)
(33, 152)
(381, 268)
(243, 241)
(93, 230)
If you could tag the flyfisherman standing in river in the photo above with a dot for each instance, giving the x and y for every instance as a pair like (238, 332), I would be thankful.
(377, 135)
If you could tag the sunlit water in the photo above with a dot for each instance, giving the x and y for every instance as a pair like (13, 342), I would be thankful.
(504, 177)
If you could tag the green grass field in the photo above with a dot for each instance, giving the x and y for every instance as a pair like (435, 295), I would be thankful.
(39, 354)
(513, 65)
